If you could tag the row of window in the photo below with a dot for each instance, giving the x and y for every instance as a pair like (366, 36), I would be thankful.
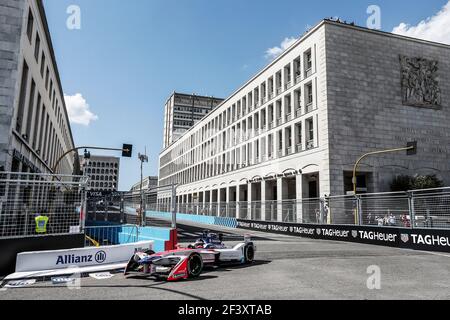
(103, 178)
(96, 164)
(292, 74)
(265, 119)
(109, 185)
(33, 119)
(286, 141)
(101, 171)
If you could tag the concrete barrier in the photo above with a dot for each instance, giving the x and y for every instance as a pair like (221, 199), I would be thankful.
(80, 260)
(163, 238)
(219, 221)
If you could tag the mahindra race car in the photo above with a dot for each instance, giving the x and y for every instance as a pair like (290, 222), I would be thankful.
(184, 263)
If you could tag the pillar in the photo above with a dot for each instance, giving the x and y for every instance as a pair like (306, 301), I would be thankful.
(263, 200)
(299, 197)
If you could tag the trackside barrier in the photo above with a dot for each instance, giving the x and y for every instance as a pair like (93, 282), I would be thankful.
(59, 262)
(106, 233)
(210, 220)
(408, 238)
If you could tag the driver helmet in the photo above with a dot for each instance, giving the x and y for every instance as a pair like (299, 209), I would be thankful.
(199, 243)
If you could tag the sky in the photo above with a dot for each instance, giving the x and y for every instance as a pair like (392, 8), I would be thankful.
(119, 60)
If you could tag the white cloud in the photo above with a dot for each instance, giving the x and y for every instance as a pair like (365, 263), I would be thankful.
(79, 110)
(435, 28)
(274, 52)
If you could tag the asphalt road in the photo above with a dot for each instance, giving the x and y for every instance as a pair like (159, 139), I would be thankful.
(286, 268)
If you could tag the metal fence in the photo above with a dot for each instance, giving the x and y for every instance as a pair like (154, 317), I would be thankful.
(412, 209)
(25, 196)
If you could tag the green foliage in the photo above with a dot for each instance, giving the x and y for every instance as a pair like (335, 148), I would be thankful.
(405, 183)
(426, 182)
(402, 183)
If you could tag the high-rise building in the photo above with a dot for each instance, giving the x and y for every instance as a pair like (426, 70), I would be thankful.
(34, 125)
(183, 111)
(296, 129)
(103, 172)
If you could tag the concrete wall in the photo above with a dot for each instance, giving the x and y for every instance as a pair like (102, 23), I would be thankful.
(11, 18)
(366, 111)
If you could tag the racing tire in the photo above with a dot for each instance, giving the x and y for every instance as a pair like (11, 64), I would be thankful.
(249, 254)
(194, 265)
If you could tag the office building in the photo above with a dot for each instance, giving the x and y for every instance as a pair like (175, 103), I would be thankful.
(103, 172)
(183, 111)
(296, 129)
(34, 125)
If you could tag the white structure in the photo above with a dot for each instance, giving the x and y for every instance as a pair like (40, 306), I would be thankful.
(34, 125)
(295, 130)
(182, 112)
(103, 172)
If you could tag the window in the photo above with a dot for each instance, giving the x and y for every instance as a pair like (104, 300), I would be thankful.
(309, 94)
(30, 25)
(47, 76)
(37, 47)
(42, 64)
(23, 90)
(308, 58)
(30, 110)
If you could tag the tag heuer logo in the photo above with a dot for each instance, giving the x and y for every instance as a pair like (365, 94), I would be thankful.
(355, 234)
(318, 231)
(405, 238)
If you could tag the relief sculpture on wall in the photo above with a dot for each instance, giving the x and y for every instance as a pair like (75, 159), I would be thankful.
(420, 86)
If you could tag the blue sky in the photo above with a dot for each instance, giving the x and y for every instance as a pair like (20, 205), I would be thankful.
(129, 56)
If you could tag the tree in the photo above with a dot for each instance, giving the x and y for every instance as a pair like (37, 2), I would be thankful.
(419, 182)
(427, 182)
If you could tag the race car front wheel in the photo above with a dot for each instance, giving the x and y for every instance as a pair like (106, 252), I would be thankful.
(195, 265)
(249, 253)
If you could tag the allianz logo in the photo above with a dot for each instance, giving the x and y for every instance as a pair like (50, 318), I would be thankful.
(98, 257)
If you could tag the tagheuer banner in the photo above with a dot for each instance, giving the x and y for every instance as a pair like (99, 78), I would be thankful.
(417, 239)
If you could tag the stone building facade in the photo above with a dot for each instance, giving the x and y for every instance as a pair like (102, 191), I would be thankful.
(34, 124)
(296, 129)
(103, 172)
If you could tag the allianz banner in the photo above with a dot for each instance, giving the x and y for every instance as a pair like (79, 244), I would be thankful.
(417, 239)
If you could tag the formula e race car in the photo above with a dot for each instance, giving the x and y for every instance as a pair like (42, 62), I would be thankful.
(184, 263)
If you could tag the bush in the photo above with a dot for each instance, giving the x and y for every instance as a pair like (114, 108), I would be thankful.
(402, 183)
(426, 182)
(405, 183)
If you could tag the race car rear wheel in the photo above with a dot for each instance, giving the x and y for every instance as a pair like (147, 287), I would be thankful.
(195, 265)
(249, 254)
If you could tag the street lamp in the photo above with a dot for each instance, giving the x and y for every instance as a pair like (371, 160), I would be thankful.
(411, 150)
(143, 158)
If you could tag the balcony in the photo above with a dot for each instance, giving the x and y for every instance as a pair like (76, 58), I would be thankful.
(298, 79)
(288, 117)
(279, 90)
(280, 153)
(310, 145)
(308, 72)
(309, 107)
(299, 148)
(279, 121)
(271, 96)
(288, 151)
(288, 85)
(298, 112)
(271, 125)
